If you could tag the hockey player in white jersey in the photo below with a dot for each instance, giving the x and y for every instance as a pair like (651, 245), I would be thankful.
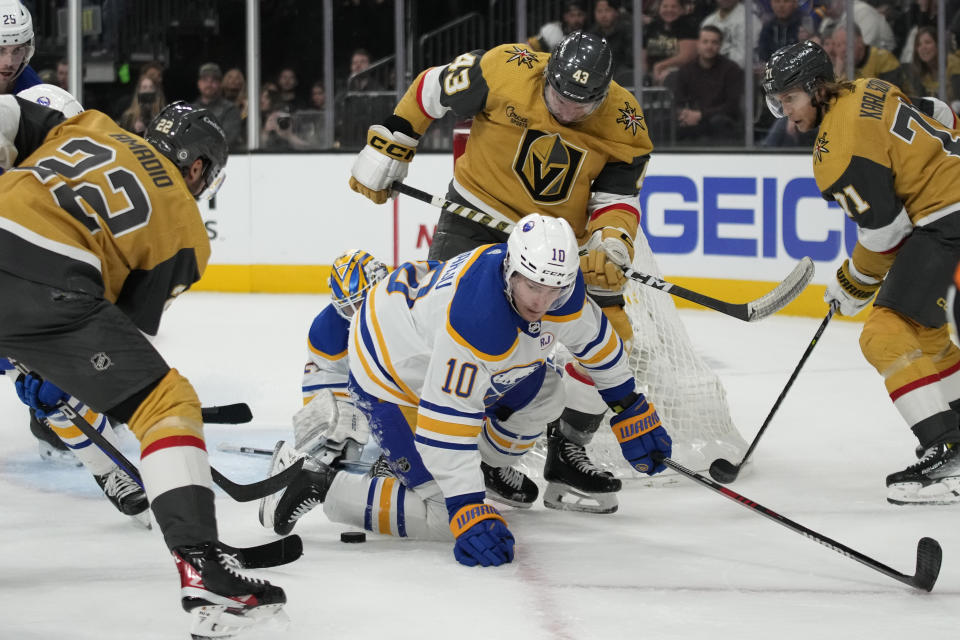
(450, 363)
(329, 426)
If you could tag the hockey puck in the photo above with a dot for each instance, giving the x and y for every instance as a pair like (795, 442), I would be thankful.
(353, 536)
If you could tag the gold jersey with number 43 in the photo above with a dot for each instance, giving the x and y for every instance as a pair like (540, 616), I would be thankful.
(518, 158)
(890, 166)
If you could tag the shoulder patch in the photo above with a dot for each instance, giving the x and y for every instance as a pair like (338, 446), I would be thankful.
(820, 147)
(631, 118)
(328, 335)
(521, 55)
(479, 316)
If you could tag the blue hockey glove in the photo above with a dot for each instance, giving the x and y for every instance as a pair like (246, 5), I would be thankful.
(38, 394)
(640, 433)
(482, 536)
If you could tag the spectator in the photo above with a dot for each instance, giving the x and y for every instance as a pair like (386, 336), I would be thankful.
(922, 73)
(211, 98)
(923, 13)
(614, 24)
(287, 84)
(876, 31)
(671, 41)
(868, 62)
(318, 96)
(234, 87)
(730, 19)
(62, 74)
(146, 103)
(708, 92)
(359, 81)
(783, 28)
(784, 133)
(574, 18)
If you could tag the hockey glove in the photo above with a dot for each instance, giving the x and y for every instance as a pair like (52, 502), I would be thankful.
(640, 433)
(608, 251)
(38, 394)
(481, 536)
(386, 158)
(851, 291)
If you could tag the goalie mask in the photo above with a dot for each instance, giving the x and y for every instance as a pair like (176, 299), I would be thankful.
(183, 133)
(352, 275)
(16, 31)
(52, 97)
(543, 250)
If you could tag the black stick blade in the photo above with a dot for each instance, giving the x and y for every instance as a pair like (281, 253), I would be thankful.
(724, 471)
(238, 413)
(929, 557)
(271, 554)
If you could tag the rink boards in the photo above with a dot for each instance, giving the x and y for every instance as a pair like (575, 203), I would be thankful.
(730, 225)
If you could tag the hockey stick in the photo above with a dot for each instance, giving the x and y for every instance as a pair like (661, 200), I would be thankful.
(239, 492)
(245, 450)
(271, 554)
(929, 553)
(722, 470)
(237, 413)
(758, 309)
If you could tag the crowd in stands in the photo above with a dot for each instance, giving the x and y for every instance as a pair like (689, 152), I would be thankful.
(694, 51)
(697, 49)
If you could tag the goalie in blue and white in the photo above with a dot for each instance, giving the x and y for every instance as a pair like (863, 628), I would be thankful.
(329, 426)
(449, 362)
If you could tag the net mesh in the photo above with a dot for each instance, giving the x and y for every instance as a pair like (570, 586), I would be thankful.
(688, 395)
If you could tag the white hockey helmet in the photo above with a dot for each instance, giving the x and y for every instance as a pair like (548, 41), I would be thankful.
(543, 250)
(53, 97)
(16, 28)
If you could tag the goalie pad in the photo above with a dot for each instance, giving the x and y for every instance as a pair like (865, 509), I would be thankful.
(327, 422)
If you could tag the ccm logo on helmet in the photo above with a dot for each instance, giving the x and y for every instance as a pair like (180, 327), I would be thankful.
(391, 149)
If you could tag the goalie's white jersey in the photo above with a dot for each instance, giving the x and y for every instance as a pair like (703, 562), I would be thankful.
(442, 337)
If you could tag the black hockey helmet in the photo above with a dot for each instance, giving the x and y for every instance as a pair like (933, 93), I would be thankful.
(183, 132)
(802, 64)
(581, 67)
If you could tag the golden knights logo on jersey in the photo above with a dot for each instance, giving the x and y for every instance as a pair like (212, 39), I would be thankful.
(547, 166)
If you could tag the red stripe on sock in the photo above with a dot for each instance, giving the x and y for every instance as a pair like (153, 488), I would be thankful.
(916, 384)
(174, 441)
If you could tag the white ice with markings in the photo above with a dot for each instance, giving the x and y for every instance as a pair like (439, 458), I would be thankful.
(675, 562)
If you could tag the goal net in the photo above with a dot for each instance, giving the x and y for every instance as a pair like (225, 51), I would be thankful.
(688, 395)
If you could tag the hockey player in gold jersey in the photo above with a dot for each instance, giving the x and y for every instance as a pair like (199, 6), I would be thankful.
(551, 134)
(99, 232)
(894, 169)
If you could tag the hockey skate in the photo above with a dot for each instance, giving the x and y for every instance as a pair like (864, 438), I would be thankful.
(509, 486)
(934, 479)
(281, 510)
(222, 601)
(125, 494)
(574, 482)
(52, 448)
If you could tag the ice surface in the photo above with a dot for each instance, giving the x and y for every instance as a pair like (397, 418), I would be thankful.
(675, 562)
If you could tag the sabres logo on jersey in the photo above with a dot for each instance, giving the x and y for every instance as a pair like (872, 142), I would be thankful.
(522, 56)
(630, 119)
(547, 166)
(820, 147)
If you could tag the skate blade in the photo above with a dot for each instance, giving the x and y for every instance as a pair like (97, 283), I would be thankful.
(142, 520)
(943, 492)
(565, 498)
(496, 497)
(217, 621)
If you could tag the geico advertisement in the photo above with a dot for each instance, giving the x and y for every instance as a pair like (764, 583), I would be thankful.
(747, 217)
